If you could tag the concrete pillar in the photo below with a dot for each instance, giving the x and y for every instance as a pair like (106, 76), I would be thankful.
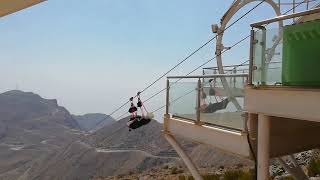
(263, 146)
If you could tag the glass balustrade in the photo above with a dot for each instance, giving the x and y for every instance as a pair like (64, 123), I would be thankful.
(183, 99)
(210, 99)
(267, 57)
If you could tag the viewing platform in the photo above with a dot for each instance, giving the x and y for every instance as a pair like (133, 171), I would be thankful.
(268, 108)
(211, 128)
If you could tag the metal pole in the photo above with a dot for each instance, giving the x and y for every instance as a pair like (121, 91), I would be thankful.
(198, 101)
(230, 80)
(243, 77)
(293, 9)
(251, 58)
(208, 76)
(186, 159)
(234, 79)
(167, 97)
(263, 56)
(203, 73)
(284, 17)
(214, 79)
(263, 146)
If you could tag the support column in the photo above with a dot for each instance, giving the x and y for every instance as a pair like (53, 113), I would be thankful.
(192, 168)
(263, 146)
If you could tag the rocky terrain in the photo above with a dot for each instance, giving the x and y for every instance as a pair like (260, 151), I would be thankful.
(93, 121)
(149, 138)
(41, 140)
(31, 129)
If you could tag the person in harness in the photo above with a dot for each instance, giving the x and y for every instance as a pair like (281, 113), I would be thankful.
(136, 121)
(213, 107)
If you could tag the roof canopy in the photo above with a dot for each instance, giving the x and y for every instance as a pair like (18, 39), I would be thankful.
(12, 6)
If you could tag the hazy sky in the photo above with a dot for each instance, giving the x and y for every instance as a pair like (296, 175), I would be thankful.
(92, 55)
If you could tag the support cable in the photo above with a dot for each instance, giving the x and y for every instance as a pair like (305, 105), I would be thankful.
(211, 60)
(189, 56)
(162, 90)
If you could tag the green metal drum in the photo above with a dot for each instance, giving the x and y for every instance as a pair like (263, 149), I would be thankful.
(301, 54)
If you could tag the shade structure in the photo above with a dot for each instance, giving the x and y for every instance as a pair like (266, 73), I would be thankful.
(12, 6)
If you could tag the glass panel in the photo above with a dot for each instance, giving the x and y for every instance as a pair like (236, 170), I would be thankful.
(257, 57)
(267, 57)
(183, 99)
(273, 56)
(216, 109)
(216, 106)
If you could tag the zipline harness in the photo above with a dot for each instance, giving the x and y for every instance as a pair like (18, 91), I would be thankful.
(213, 107)
(136, 120)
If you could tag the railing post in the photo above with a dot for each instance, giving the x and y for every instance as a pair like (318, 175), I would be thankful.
(167, 97)
(243, 77)
(214, 79)
(198, 101)
(263, 56)
(231, 72)
(251, 58)
(203, 73)
(293, 9)
(234, 78)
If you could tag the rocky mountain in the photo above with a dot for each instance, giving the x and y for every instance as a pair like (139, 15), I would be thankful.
(27, 107)
(81, 161)
(40, 140)
(31, 128)
(117, 136)
(149, 139)
(93, 121)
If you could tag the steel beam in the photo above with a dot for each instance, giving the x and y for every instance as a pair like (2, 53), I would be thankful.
(186, 159)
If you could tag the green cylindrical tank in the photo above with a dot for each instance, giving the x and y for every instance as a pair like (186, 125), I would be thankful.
(301, 54)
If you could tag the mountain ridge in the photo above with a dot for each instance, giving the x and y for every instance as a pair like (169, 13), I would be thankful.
(41, 140)
(93, 121)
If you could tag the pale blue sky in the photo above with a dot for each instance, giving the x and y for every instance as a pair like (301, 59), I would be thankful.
(92, 55)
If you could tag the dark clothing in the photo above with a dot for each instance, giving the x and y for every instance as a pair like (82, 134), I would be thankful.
(138, 122)
(213, 107)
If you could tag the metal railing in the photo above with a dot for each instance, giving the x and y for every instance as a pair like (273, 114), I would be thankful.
(265, 61)
(229, 69)
(189, 99)
(285, 17)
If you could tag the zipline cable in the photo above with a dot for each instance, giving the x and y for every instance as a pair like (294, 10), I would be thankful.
(205, 44)
(162, 90)
(298, 4)
(240, 41)
(243, 39)
(221, 53)
(190, 55)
